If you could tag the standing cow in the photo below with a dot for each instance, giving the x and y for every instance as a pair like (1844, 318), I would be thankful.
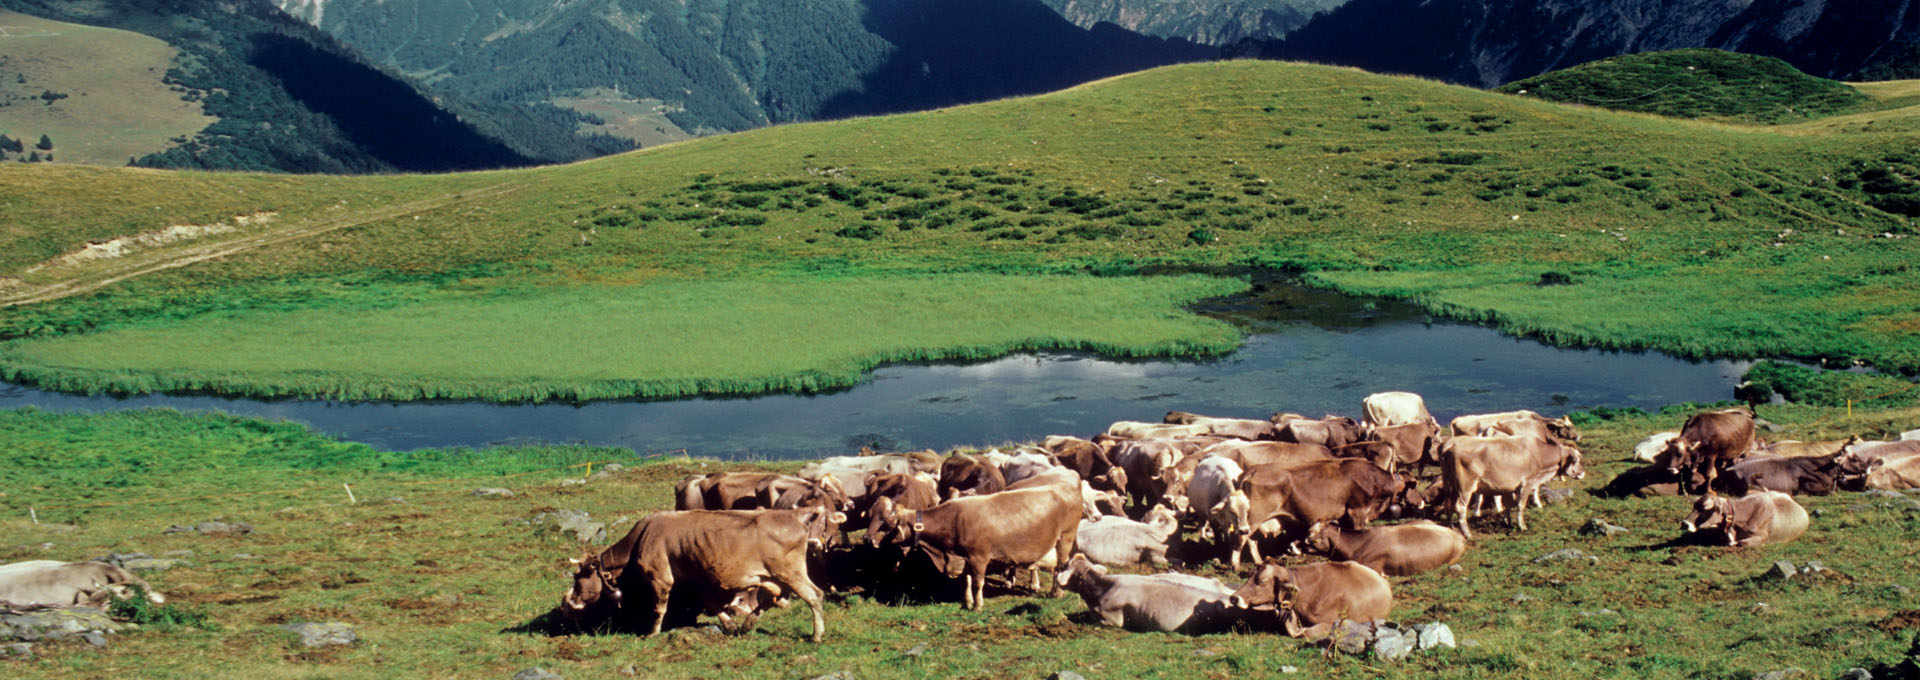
(1388, 409)
(1031, 528)
(1710, 442)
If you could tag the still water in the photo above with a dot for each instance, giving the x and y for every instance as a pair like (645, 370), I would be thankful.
(1307, 351)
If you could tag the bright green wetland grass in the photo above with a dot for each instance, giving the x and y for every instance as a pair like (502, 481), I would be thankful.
(663, 339)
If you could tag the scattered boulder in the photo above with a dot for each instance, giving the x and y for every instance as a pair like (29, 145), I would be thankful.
(1066, 675)
(574, 523)
(95, 638)
(1813, 567)
(1353, 637)
(212, 528)
(836, 675)
(608, 470)
(1856, 674)
(1782, 674)
(323, 634)
(536, 673)
(916, 650)
(20, 649)
(1600, 527)
(494, 492)
(154, 564)
(1781, 570)
(1566, 555)
(1521, 598)
(56, 624)
(1392, 644)
(1433, 635)
(1289, 670)
(1553, 496)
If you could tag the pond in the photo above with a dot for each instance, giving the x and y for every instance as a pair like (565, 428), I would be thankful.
(1308, 351)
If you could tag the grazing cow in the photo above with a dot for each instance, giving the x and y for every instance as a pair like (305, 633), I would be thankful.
(1214, 479)
(1711, 441)
(1031, 528)
(1283, 500)
(52, 583)
(1311, 599)
(1504, 464)
(1398, 550)
(1089, 460)
(1649, 449)
(1790, 448)
(1794, 476)
(1389, 409)
(1118, 541)
(852, 471)
(1332, 432)
(1150, 603)
(966, 475)
(1758, 518)
(1130, 429)
(1520, 422)
(726, 558)
(1412, 445)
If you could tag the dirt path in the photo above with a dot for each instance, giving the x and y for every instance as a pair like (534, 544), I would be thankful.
(97, 275)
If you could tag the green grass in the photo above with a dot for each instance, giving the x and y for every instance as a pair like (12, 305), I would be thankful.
(1696, 83)
(658, 340)
(1700, 238)
(438, 582)
(115, 107)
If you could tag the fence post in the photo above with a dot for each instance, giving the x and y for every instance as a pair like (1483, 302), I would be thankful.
(35, 514)
(350, 499)
(1849, 408)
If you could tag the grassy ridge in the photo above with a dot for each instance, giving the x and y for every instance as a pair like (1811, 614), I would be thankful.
(1693, 237)
(115, 106)
(437, 582)
(1696, 83)
(661, 340)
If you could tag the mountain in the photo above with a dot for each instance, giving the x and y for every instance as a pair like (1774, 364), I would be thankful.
(1209, 22)
(655, 70)
(288, 98)
(1490, 42)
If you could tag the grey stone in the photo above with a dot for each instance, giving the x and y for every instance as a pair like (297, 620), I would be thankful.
(493, 492)
(323, 634)
(212, 528)
(153, 564)
(573, 482)
(1856, 674)
(18, 649)
(608, 470)
(1566, 555)
(1289, 670)
(1781, 570)
(1760, 608)
(1599, 526)
(94, 638)
(394, 500)
(629, 670)
(916, 650)
(1765, 425)
(1598, 612)
(56, 624)
(1066, 675)
(1900, 590)
(1433, 635)
(1813, 567)
(1781, 674)
(245, 556)
(574, 523)
(121, 559)
(1521, 598)
(536, 673)
(1553, 496)
(836, 675)
(1353, 637)
(1393, 644)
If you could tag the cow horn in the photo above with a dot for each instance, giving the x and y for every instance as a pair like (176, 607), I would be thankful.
(1688, 525)
(1237, 602)
(575, 561)
(838, 518)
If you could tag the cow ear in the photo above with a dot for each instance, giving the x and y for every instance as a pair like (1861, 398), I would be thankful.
(919, 527)
(838, 518)
(1235, 601)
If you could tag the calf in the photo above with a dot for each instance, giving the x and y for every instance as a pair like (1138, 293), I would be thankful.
(1758, 518)
(1150, 603)
(1515, 465)
(966, 475)
(1118, 541)
(1399, 550)
(1032, 528)
(52, 583)
(1311, 599)
(1214, 478)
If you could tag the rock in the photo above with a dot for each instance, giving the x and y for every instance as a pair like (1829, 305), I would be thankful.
(56, 624)
(629, 670)
(493, 493)
(608, 470)
(1353, 637)
(323, 634)
(1553, 496)
(394, 500)
(1066, 675)
(94, 638)
(836, 675)
(916, 650)
(1900, 590)
(212, 528)
(1766, 425)
(1565, 555)
(153, 564)
(1393, 644)
(1813, 567)
(1433, 635)
(1856, 674)
(1521, 598)
(1599, 526)
(574, 523)
(17, 649)
(1781, 674)
(1760, 608)
(1603, 611)
(1781, 570)
(1289, 670)
(573, 482)
(245, 556)
(536, 673)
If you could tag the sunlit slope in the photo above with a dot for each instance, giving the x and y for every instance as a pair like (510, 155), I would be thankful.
(1684, 235)
(95, 92)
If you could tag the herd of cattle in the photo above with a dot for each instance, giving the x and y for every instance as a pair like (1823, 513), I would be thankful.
(740, 542)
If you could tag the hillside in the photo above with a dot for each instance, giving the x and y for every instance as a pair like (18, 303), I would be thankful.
(96, 93)
(1462, 200)
(1695, 84)
(288, 98)
(656, 70)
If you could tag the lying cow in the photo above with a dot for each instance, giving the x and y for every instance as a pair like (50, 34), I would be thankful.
(1794, 476)
(1649, 449)
(1118, 541)
(1389, 409)
(1506, 465)
(1238, 428)
(1161, 602)
(1758, 518)
(726, 558)
(1021, 528)
(1398, 550)
(1894, 473)
(1792, 448)
(1311, 599)
(1129, 429)
(1521, 422)
(52, 583)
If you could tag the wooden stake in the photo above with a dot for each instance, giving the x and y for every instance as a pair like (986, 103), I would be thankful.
(350, 498)
(35, 514)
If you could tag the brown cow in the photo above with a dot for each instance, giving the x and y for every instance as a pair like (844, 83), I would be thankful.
(1399, 550)
(1089, 460)
(1238, 428)
(1758, 518)
(1521, 422)
(1505, 464)
(1146, 462)
(1311, 599)
(1284, 499)
(1031, 528)
(967, 475)
(1711, 441)
(757, 490)
(720, 554)
(1893, 472)
(1249, 454)
(1791, 448)
(1413, 446)
(911, 491)
(1332, 431)
(1795, 476)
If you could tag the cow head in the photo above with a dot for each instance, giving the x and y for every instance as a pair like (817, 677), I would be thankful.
(1570, 466)
(1079, 574)
(1270, 589)
(1114, 479)
(1709, 511)
(1563, 429)
(1679, 455)
(1319, 539)
(823, 527)
(1229, 516)
(890, 524)
(831, 491)
(594, 587)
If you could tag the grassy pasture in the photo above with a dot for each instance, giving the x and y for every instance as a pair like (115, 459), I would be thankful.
(115, 106)
(1687, 236)
(440, 583)
(657, 340)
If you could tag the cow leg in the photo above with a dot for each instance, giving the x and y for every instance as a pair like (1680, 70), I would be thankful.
(662, 585)
(1520, 507)
(1462, 499)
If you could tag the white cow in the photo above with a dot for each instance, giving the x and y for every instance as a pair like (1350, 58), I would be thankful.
(1389, 409)
(1118, 541)
(52, 583)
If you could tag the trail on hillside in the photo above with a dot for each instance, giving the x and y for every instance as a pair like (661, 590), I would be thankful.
(102, 273)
